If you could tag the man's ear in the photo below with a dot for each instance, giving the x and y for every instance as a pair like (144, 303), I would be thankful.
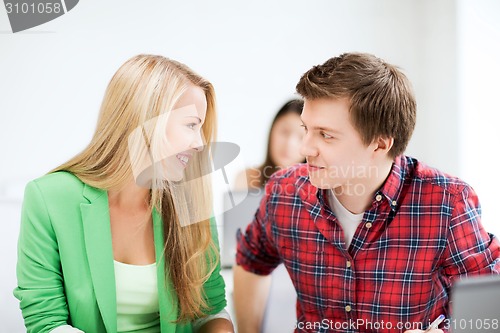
(383, 145)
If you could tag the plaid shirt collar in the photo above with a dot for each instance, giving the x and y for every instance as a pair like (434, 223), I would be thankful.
(393, 185)
(315, 199)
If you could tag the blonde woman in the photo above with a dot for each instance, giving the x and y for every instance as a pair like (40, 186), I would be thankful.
(119, 238)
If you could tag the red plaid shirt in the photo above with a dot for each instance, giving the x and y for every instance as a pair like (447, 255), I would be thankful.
(422, 231)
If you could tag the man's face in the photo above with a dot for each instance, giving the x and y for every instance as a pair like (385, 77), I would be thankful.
(335, 153)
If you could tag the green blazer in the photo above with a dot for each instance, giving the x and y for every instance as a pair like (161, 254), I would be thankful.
(65, 266)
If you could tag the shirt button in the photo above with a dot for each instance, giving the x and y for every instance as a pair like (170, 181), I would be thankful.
(348, 264)
(368, 225)
(394, 202)
(378, 197)
(348, 308)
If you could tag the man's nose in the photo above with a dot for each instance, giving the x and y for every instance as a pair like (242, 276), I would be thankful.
(308, 147)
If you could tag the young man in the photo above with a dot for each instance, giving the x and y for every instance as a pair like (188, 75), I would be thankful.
(372, 239)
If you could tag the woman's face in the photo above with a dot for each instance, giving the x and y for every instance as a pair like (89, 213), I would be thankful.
(183, 132)
(286, 137)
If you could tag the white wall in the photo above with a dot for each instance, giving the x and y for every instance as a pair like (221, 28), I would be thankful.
(52, 83)
(10, 315)
(479, 50)
(52, 77)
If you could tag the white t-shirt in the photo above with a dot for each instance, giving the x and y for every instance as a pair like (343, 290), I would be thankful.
(348, 221)
(137, 307)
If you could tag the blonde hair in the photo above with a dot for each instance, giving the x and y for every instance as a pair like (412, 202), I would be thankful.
(144, 88)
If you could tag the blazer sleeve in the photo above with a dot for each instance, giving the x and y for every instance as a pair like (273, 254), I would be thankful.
(215, 293)
(39, 278)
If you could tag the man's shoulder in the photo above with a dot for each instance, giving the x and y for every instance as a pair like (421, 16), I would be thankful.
(289, 181)
(434, 177)
(297, 172)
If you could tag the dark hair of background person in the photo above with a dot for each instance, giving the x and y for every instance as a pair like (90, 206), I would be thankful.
(269, 166)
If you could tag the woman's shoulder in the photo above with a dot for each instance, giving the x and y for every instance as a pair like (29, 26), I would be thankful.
(57, 178)
(58, 184)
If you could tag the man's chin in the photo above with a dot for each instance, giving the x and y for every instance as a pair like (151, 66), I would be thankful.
(319, 182)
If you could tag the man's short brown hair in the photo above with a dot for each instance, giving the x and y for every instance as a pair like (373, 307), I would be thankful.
(382, 103)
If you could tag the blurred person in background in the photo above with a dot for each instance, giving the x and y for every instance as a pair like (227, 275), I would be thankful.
(283, 147)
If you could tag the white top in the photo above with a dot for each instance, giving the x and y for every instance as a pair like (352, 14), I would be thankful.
(348, 221)
(137, 307)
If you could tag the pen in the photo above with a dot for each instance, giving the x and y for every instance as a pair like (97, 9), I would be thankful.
(435, 323)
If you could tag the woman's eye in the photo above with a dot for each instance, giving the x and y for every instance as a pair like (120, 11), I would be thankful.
(191, 126)
(304, 127)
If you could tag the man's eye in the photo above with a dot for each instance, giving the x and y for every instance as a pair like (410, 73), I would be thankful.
(326, 136)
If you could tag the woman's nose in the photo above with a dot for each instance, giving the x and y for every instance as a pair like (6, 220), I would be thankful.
(198, 143)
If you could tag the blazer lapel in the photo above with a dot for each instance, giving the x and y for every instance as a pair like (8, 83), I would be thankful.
(97, 234)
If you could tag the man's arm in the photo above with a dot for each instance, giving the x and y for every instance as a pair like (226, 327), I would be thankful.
(470, 249)
(256, 258)
(250, 297)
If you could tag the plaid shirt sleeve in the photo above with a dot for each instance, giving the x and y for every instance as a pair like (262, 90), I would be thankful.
(256, 251)
(470, 249)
